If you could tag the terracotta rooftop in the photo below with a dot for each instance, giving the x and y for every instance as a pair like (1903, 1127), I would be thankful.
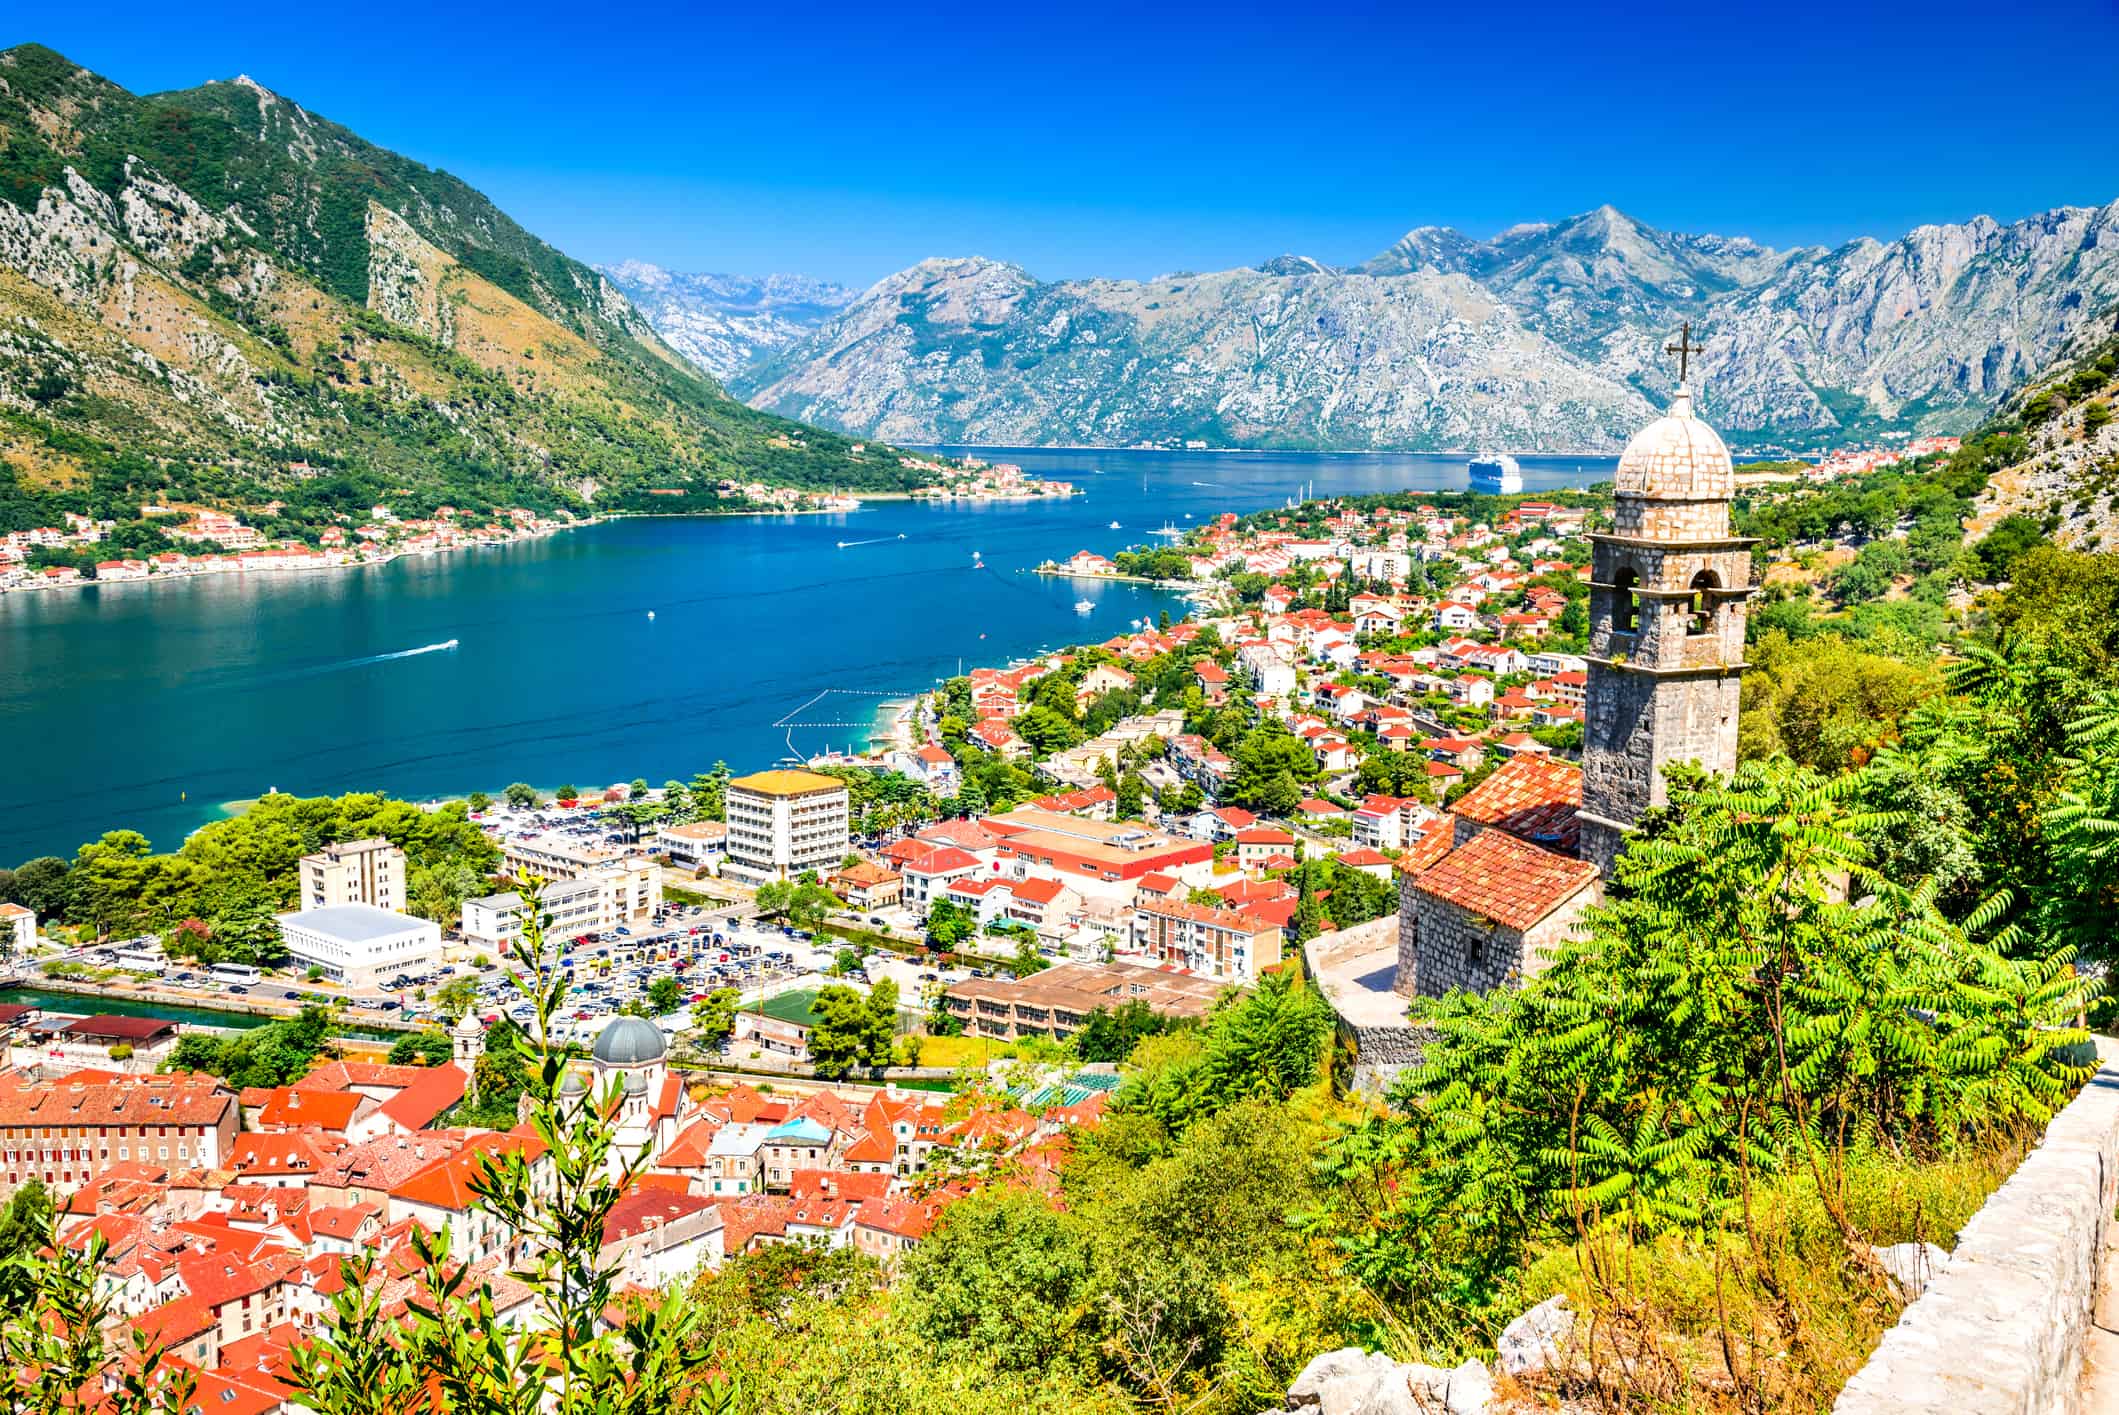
(1510, 881)
(1533, 797)
(156, 1100)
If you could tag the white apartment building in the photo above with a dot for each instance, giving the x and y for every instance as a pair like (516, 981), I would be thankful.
(631, 883)
(358, 943)
(781, 823)
(697, 846)
(18, 930)
(494, 921)
(370, 872)
(607, 895)
(1268, 670)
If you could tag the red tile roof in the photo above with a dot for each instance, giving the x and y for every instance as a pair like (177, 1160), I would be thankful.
(835, 1185)
(286, 1108)
(640, 1209)
(447, 1184)
(434, 1090)
(1510, 881)
(1532, 796)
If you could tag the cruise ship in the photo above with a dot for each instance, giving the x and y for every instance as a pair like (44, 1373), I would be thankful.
(1496, 476)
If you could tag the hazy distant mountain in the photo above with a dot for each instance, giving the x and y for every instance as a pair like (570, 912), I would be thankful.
(1546, 336)
(724, 322)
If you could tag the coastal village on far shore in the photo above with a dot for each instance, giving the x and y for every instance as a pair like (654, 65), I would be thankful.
(219, 542)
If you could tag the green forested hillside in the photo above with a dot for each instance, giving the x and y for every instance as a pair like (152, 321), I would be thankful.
(216, 297)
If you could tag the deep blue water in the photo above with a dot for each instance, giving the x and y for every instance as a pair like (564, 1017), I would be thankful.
(146, 705)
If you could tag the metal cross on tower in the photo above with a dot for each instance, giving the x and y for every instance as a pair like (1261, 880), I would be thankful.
(1684, 349)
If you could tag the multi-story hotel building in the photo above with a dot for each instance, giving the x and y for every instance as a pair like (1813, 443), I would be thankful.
(368, 872)
(781, 823)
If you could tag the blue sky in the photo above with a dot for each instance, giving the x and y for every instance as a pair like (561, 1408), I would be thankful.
(849, 141)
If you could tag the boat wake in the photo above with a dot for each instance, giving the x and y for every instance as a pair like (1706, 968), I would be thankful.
(876, 540)
(442, 647)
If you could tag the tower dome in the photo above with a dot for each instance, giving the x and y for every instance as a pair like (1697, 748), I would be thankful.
(1677, 458)
(629, 1041)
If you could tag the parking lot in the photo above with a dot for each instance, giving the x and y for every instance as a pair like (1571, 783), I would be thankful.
(703, 948)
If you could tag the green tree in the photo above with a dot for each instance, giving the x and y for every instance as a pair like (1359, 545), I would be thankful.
(1027, 959)
(479, 801)
(522, 795)
(25, 1227)
(714, 1017)
(107, 881)
(852, 1030)
(422, 1049)
(1005, 1275)
(1827, 702)
(1271, 764)
(1263, 1045)
(457, 996)
(664, 995)
(41, 886)
(949, 924)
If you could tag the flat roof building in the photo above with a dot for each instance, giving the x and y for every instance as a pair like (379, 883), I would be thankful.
(358, 943)
(781, 823)
(1058, 1000)
(1107, 857)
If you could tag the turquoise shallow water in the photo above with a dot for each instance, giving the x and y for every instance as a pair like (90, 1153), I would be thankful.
(146, 705)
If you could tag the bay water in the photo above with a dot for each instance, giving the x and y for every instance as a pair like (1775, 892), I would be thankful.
(644, 647)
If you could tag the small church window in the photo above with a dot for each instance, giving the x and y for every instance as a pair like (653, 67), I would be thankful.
(1625, 609)
(1704, 585)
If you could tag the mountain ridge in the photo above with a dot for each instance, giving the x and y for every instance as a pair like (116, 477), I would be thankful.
(1805, 346)
(213, 295)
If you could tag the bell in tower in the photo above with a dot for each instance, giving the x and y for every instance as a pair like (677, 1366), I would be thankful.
(1667, 600)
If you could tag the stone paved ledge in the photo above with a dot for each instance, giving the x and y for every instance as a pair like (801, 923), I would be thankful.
(2004, 1329)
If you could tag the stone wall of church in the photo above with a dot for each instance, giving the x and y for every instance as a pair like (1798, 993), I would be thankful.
(1404, 981)
(1442, 946)
(1635, 724)
(1643, 519)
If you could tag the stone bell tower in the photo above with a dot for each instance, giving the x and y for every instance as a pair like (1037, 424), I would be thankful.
(1667, 600)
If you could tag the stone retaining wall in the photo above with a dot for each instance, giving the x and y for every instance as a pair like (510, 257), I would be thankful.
(2003, 1330)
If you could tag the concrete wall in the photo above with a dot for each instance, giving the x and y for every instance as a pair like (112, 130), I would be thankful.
(2003, 1330)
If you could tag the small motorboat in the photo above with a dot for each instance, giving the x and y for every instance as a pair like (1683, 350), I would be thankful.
(1116, 526)
(1085, 606)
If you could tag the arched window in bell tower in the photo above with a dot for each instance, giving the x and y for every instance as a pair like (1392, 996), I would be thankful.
(1625, 608)
(1701, 619)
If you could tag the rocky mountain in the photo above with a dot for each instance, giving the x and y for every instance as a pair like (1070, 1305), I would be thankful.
(724, 322)
(217, 295)
(1546, 337)
(2062, 429)
(977, 351)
